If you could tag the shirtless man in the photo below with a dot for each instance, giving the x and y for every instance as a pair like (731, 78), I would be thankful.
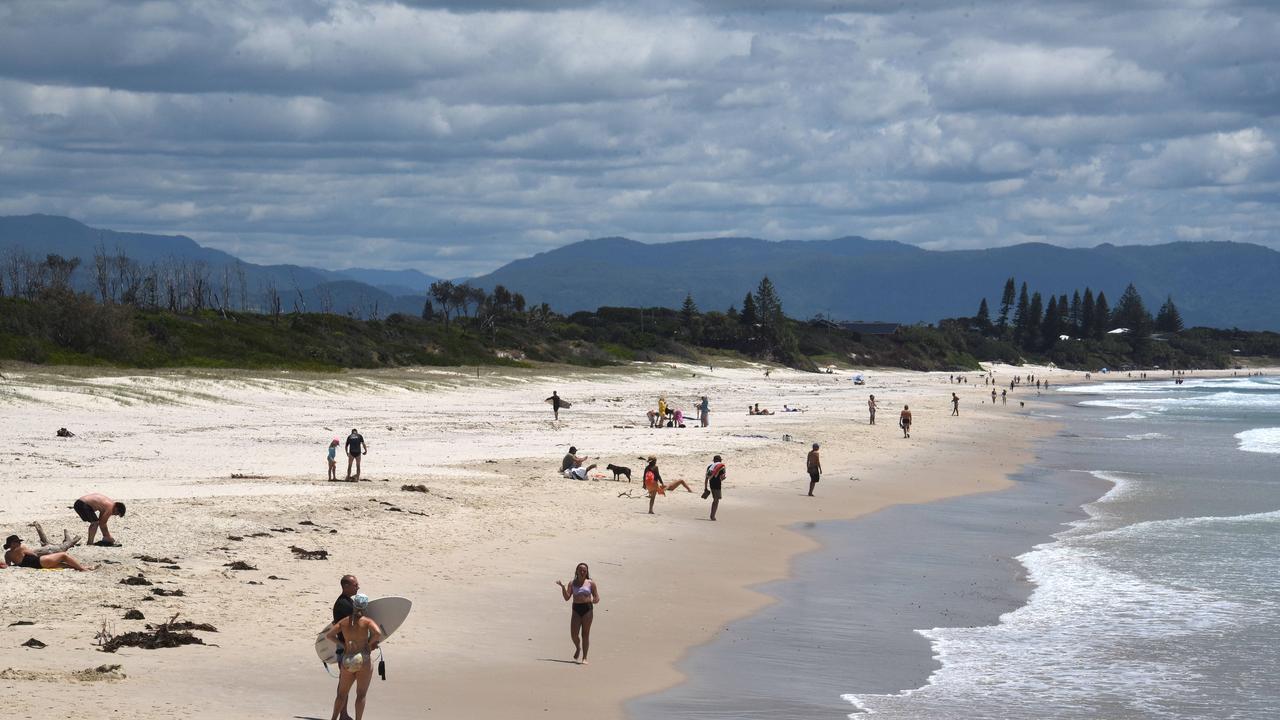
(904, 421)
(96, 509)
(360, 637)
(871, 408)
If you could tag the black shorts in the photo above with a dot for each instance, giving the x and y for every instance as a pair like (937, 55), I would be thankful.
(582, 608)
(813, 476)
(715, 489)
(85, 512)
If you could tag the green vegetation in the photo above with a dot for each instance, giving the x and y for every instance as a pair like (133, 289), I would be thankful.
(1084, 333)
(469, 326)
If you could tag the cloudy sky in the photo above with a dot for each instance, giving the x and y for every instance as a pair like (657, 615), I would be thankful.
(456, 136)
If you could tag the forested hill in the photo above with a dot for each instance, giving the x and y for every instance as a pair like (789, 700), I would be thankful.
(1214, 284)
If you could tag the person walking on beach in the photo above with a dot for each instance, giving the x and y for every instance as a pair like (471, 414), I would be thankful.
(904, 421)
(1004, 397)
(555, 404)
(814, 465)
(955, 404)
(713, 483)
(993, 396)
(96, 509)
(871, 409)
(355, 444)
(342, 609)
(703, 408)
(584, 593)
(333, 459)
(653, 481)
(361, 636)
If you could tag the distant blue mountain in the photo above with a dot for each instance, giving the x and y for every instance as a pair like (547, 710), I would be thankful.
(358, 292)
(1213, 283)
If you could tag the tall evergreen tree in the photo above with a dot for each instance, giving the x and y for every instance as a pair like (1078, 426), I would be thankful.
(1086, 315)
(1020, 315)
(983, 319)
(1049, 328)
(689, 316)
(1169, 319)
(1101, 316)
(1006, 302)
(1131, 313)
(1063, 322)
(1073, 315)
(749, 318)
(1035, 314)
(768, 303)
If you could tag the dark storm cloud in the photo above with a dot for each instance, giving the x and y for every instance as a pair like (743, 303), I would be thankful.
(457, 136)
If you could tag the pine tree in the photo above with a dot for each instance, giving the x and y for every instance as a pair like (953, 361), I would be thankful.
(1063, 322)
(1101, 316)
(689, 316)
(1049, 328)
(1086, 315)
(983, 319)
(1020, 315)
(1131, 313)
(1169, 319)
(427, 311)
(1073, 316)
(1035, 313)
(768, 304)
(1006, 302)
(749, 318)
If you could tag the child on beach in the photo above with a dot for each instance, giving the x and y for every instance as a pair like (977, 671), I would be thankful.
(333, 458)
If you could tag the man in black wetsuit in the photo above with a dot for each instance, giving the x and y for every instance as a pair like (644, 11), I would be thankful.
(342, 608)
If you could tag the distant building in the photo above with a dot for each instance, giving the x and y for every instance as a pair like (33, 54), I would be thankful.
(871, 328)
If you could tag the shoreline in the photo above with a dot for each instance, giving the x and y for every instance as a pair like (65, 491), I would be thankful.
(487, 635)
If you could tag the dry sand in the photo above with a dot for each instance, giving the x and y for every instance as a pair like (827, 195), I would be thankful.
(478, 554)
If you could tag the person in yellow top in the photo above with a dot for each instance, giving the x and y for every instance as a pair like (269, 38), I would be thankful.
(662, 408)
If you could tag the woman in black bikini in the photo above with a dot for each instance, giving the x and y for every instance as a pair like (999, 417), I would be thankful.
(19, 555)
(584, 593)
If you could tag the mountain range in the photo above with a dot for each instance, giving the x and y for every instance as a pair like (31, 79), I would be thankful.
(1219, 284)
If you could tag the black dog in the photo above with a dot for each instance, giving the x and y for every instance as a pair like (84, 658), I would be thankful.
(618, 470)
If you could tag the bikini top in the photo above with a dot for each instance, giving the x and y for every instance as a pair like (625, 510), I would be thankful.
(582, 591)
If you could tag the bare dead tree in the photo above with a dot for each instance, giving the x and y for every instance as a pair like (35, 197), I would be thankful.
(326, 298)
(102, 274)
(272, 295)
(244, 287)
(300, 302)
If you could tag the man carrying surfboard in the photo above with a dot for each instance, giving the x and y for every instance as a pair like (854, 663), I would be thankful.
(360, 636)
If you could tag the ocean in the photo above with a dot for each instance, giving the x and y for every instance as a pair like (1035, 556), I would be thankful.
(1132, 572)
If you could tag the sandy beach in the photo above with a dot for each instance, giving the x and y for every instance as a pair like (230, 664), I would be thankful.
(220, 467)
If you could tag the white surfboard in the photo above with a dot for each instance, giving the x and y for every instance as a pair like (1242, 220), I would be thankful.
(388, 612)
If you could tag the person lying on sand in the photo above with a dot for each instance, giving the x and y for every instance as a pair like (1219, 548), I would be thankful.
(579, 473)
(96, 509)
(19, 555)
(758, 411)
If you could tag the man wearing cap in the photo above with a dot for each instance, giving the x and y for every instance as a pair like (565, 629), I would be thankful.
(814, 466)
(96, 509)
(571, 460)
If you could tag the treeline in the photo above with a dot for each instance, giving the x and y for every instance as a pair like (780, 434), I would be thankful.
(1083, 331)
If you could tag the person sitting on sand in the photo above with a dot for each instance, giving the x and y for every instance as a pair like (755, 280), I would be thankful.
(583, 592)
(333, 458)
(96, 509)
(360, 635)
(355, 444)
(758, 411)
(751, 410)
(579, 473)
(904, 421)
(571, 460)
(653, 481)
(19, 555)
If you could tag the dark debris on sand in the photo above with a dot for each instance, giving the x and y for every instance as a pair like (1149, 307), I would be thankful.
(302, 554)
(34, 643)
(165, 635)
(167, 593)
(239, 565)
(135, 580)
(134, 614)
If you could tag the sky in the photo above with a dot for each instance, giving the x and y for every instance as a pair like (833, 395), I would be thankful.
(453, 137)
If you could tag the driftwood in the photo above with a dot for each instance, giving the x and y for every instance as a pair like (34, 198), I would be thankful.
(309, 554)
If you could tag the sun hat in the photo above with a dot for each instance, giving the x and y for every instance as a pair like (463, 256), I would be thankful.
(11, 540)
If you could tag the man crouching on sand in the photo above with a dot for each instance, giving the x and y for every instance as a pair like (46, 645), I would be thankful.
(96, 509)
(360, 636)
